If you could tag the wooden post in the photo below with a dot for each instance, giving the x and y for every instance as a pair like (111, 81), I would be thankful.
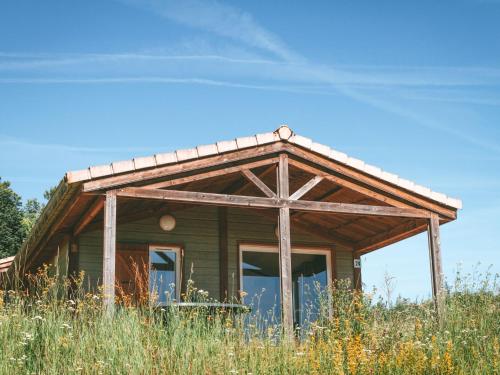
(435, 262)
(285, 248)
(109, 248)
(357, 272)
(223, 253)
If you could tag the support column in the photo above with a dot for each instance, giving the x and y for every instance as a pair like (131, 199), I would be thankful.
(223, 254)
(285, 248)
(109, 254)
(435, 262)
(357, 273)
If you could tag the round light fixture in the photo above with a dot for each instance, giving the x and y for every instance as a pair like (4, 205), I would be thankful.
(167, 223)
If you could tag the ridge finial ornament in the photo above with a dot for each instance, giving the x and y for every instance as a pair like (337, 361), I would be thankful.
(284, 132)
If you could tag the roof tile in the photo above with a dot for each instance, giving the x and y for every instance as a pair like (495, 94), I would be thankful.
(79, 175)
(355, 163)
(207, 150)
(338, 156)
(390, 177)
(100, 170)
(264, 138)
(187, 154)
(373, 170)
(123, 166)
(301, 141)
(226, 146)
(166, 158)
(245, 142)
(145, 162)
(321, 149)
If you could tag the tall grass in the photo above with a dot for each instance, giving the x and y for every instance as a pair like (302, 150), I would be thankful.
(43, 331)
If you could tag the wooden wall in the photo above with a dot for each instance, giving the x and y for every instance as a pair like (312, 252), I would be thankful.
(198, 233)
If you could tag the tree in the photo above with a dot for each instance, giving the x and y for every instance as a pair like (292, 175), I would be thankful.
(49, 193)
(31, 211)
(12, 231)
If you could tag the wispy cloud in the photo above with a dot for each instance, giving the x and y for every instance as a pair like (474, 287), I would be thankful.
(221, 19)
(6, 141)
(382, 87)
(355, 76)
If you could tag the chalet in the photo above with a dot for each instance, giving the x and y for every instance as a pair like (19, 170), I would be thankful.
(272, 212)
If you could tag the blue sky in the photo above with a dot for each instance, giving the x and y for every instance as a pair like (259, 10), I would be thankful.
(412, 87)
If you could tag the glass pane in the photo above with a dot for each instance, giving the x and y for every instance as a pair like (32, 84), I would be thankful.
(261, 282)
(162, 277)
(309, 275)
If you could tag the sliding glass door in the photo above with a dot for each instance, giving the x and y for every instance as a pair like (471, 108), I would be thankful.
(311, 274)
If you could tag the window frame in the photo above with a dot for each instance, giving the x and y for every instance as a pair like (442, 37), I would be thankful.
(269, 248)
(178, 262)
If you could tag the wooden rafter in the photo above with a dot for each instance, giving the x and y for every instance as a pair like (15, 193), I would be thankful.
(88, 216)
(211, 174)
(250, 176)
(306, 187)
(395, 234)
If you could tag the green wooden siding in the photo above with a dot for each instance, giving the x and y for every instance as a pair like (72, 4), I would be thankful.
(198, 234)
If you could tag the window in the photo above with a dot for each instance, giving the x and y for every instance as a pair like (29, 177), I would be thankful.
(259, 270)
(164, 273)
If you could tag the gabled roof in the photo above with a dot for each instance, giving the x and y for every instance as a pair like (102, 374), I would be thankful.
(70, 201)
(282, 134)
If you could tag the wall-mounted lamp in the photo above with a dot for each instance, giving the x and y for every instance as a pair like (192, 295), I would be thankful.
(167, 223)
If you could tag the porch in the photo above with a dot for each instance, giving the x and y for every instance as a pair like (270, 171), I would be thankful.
(277, 196)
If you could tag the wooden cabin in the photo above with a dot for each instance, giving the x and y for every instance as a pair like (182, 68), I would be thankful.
(274, 211)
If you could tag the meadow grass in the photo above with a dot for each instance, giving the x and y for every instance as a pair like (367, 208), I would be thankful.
(43, 331)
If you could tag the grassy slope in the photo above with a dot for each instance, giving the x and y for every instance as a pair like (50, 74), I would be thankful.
(42, 334)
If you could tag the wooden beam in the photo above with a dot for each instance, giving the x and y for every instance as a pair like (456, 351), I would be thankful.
(261, 202)
(358, 285)
(182, 167)
(356, 209)
(435, 262)
(250, 176)
(395, 234)
(109, 251)
(201, 198)
(88, 216)
(375, 184)
(285, 249)
(210, 174)
(223, 254)
(306, 187)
